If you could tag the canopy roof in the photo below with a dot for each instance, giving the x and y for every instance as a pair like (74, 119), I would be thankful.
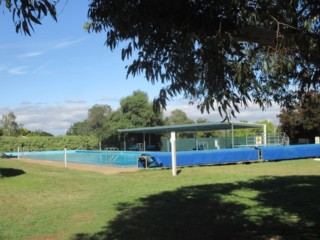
(194, 127)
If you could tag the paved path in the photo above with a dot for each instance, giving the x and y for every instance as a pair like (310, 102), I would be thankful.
(83, 167)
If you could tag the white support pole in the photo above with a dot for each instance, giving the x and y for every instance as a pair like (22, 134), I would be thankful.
(197, 141)
(144, 141)
(65, 157)
(232, 136)
(173, 153)
(265, 135)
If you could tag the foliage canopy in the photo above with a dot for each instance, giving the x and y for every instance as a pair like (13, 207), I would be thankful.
(27, 13)
(102, 122)
(9, 125)
(302, 121)
(219, 54)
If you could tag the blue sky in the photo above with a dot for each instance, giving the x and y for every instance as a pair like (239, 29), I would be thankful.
(51, 79)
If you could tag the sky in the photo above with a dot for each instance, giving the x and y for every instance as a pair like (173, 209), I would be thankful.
(51, 79)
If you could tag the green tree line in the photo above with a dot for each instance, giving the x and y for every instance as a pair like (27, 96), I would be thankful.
(11, 144)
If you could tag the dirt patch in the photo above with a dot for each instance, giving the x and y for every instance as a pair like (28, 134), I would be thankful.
(82, 167)
(48, 237)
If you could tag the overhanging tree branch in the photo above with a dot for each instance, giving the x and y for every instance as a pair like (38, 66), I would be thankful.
(218, 54)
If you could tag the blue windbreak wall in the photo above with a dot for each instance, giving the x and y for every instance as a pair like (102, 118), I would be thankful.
(290, 152)
(184, 158)
(188, 158)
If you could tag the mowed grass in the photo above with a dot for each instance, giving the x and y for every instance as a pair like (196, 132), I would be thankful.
(276, 200)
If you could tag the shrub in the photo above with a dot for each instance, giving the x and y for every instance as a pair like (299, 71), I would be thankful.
(11, 144)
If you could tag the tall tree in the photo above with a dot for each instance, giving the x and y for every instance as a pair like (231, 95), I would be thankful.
(97, 120)
(219, 54)
(177, 117)
(137, 110)
(79, 129)
(95, 124)
(302, 120)
(9, 125)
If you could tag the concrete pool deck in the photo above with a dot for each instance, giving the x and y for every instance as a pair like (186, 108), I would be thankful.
(81, 167)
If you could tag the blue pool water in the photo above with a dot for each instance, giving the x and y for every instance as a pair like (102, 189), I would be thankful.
(106, 158)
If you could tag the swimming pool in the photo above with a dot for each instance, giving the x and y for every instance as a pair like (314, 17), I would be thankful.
(106, 158)
(184, 158)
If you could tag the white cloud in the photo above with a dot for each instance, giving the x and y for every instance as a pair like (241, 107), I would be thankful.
(4, 111)
(17, 70)
(26, 103)
(31, 54)
(113, 102)
(44, 69)
(69, 42)
(109, 99)
(252, 113)
(55, 119)
(75, 101)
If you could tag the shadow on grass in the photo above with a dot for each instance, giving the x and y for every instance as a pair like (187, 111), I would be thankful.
(264, 208)
(10, 172)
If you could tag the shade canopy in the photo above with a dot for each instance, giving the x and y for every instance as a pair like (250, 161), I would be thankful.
(194, 127)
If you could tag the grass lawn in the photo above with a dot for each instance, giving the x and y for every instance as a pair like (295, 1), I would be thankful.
(276, 200)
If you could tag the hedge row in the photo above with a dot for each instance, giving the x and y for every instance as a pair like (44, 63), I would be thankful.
(11, 144)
